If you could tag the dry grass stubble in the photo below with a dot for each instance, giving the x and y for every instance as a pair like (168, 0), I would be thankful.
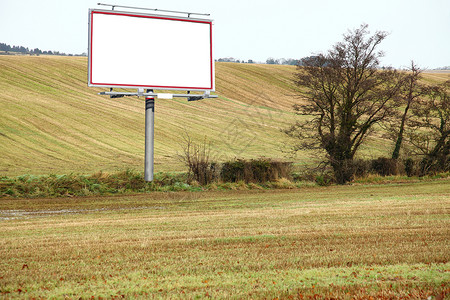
(384, 241)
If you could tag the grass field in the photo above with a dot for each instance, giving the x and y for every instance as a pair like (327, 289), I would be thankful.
(52, 123)
(386, 241)
(355, 241)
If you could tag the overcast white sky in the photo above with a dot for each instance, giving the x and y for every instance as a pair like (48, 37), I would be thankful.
(419, 29)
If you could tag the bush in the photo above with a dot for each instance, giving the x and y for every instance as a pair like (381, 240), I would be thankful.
(197, 157)
(410, 167)
(430, 165)
(100, 183)
(362, 167)
(255, 170)
(324, 180)
(385, 166)
(233, 171)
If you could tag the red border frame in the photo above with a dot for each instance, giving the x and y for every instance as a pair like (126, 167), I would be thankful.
(150, 17)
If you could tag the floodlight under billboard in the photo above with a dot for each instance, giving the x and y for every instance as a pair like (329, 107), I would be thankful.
(134, 50)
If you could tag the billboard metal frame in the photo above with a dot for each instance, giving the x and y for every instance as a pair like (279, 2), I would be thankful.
(209, 22)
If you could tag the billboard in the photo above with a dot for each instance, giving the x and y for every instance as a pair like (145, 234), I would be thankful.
(133, 50)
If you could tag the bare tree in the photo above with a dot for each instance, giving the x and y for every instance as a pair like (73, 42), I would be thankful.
(346, 94)
(197, 157)
(430, 132)
(411, 91)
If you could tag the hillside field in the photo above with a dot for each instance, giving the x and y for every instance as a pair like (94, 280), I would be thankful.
(52, 123)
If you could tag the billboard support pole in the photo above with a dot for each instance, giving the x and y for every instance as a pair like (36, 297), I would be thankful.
(149, 137)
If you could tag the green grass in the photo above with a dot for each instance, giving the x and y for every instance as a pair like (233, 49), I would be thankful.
(122, 182)
(386, 241)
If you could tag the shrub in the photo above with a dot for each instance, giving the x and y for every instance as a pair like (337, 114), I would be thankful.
(324, 180)
(259, 171)
(430, 165)
(255, 170)
(197, 157)
(385, 166)
(362, 167)
(233, 171)
(410, 167)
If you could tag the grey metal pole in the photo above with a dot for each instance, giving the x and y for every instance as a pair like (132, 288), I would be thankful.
(149, 137)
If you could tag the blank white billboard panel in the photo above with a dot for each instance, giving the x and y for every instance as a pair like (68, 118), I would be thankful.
(134, 50)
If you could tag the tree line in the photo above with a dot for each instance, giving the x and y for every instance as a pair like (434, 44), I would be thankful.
(347, 96)
(270, 61)
(8, 49)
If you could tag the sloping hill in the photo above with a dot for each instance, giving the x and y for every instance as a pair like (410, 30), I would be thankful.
(51, 122)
